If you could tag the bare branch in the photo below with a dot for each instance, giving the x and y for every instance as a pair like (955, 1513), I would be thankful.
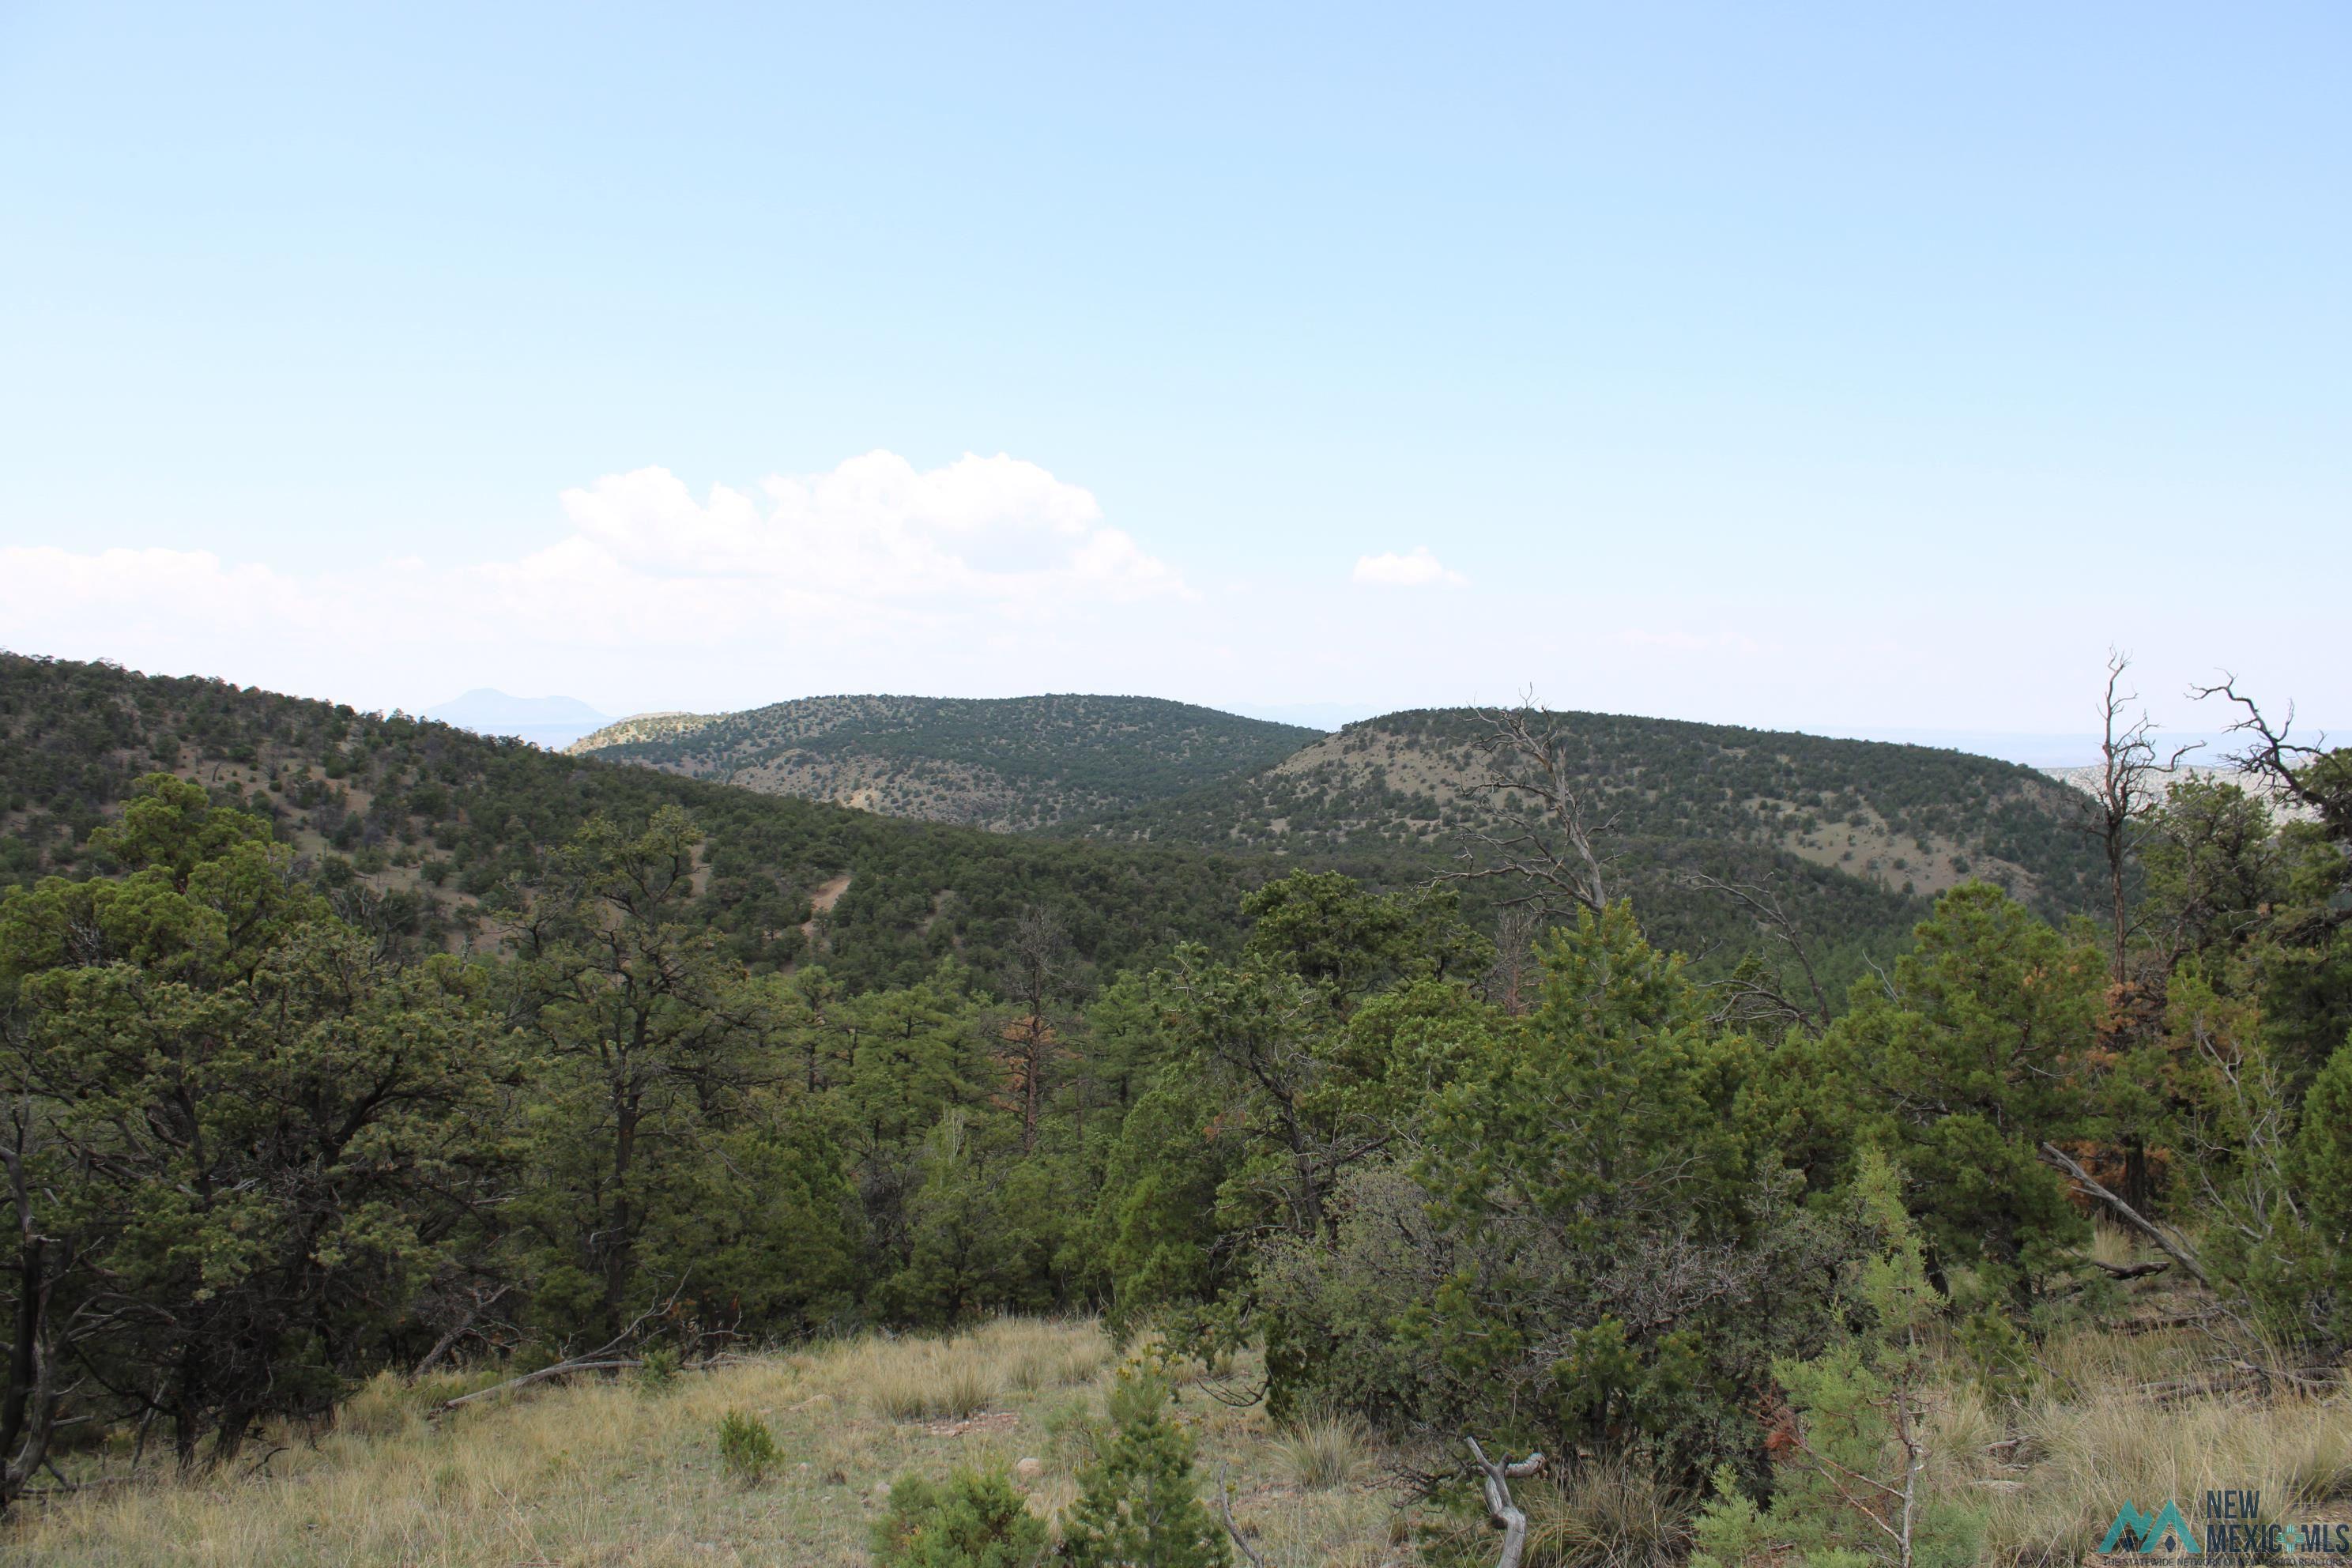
(1550, 849)
(2272, 754)
(1774, 920)
(2126, 793)
(2162, 1236)
(1508, 1517)
(1225, 1503)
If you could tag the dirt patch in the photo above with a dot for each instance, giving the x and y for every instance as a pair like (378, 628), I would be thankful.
(828, 893)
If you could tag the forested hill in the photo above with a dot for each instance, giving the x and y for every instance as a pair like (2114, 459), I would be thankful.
(1909, 820)
(1012, 764)
(432, 834)
(428, 834)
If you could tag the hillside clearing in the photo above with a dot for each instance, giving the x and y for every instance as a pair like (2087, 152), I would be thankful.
(623, 1474)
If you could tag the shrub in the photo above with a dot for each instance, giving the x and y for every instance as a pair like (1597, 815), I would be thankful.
(969, 1520)
(746, 1448)
(1136, 1506)
(1853, 1476)
(657, 1368)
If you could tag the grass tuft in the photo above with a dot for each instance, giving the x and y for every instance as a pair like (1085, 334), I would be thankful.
(1607, 1513)
(931, 1381)
(1325, 1452)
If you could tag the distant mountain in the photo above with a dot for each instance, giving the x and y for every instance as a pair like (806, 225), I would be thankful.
(1012, 764)
(550, 722)
(2035, 749)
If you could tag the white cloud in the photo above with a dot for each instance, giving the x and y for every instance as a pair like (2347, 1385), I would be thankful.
(875, 558)
(1418, 570)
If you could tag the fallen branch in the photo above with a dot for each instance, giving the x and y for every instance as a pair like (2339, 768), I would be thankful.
(601, 1359)
(557, 1370)
(2242, 1375)
(1225, 1504)
(2125, 1270)
(2158, 1325)
(1508, 1517)
(464, 1326)
(1226, 1394)
(2172, 1245)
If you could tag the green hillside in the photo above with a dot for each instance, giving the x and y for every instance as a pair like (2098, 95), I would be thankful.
(1906, 818)
(1855, 837)
(430, 832)
(1013, 764)
(427, 831)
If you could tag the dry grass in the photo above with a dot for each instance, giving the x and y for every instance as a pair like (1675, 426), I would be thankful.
(2050, 1472)
(619, 1475)
(1325, 1451)
(616, 1474)
(1608, 1514)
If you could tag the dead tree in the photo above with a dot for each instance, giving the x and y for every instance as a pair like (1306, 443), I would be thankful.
(1040, 949)
(1515, 971)
(2165, 1236)
(482, 1295)
(1756, 990)
(2126, 793)
(1507, 1515)
(1548, 839)
(2286, 767)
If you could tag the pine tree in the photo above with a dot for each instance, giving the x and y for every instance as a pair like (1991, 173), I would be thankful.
(1136, 1506)
(971, 1521)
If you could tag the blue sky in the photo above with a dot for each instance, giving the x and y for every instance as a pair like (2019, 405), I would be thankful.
(1855, 368)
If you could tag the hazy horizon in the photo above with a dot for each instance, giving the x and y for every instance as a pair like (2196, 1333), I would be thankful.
(1683, 363)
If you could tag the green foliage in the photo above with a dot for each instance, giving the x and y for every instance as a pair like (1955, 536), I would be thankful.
(1386, 800)
(2282, 1196)
(1282, 1072)
(1979, 1051)
(1999, 1355)
(1624, 1262)
(348, 1039)
(658, 1156)
(1590, 1251)
(971, 1521)
(747, 1450)
(656, 1368)
(969, 1245)
(496, 815)
(248, 1129)
(1854, 1488)
(1137, 1507)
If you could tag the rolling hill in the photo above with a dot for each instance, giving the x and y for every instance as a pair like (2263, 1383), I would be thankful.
(1853, 836)
(1905, 820)
(1853, 839)
(1151, 818)
(1011, 764)
(431, 834)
